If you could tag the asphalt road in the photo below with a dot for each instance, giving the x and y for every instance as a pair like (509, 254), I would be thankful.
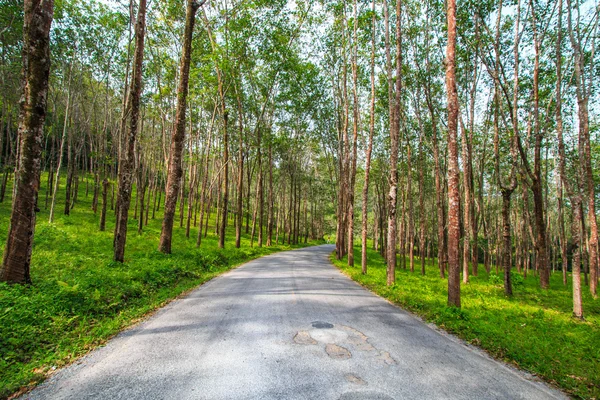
(287, 326)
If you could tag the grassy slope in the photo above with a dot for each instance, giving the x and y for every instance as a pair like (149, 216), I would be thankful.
(80, 298)
(533, 330)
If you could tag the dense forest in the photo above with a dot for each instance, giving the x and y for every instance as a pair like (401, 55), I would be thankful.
(441, 135)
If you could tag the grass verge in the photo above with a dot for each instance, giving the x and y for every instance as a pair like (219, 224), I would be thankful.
(533, 330)
(80, 298)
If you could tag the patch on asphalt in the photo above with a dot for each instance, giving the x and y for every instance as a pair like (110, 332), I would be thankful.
(386, 358)
(322, 325)
(365, 396)
(337, 352)
(340, 341)
(335, 336)
(355, 379)
(304, 338)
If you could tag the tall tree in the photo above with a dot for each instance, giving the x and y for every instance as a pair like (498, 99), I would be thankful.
(453, 169)
(127, 161)
(394, 144)
(365, 193)
(35, 73)
(583, 88)
(178, 137)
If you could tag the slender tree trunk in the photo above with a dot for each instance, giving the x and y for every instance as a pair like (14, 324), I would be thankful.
(576, 235)
(62, 149)
(439, 192)
(70, 168)
(142, 185)
(410, 229)
(559, 129)
(35, 73)
(583, 89)
(453, 169)
(422, 244)
(270, 199)
(353, 154)
(240, 181)
(394, 139)
(259, 188)
(204, 205)
(104, 204)
(506, 245)
(541, 255)
(178, 137)
(365, 193)
(128, 155)
(466, 159)
(225, 196)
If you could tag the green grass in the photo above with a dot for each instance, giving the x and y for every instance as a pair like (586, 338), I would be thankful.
(80, 298)
(533, 330)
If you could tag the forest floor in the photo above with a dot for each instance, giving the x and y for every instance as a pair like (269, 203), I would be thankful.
(533, 330)
(80, 298)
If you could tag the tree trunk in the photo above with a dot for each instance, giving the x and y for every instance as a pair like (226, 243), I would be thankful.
(353, 154)
(178, 137)
(506, 244)
(104, 205)
(70, 168)
(128, 155)
(240, 181)
(394, 139)
(453, 169)
(61, 150)
(365, 193)
(576, 235)
(270, 199)
(35, 73)
(225, 198)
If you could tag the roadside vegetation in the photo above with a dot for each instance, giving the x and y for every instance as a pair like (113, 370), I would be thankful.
(533, 330)
(80, 298)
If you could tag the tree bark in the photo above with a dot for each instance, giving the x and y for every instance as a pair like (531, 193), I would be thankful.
(353, 154)
(394, 139)
(62, 148)
(453, 169)
(178, 137)
(126, 166)
(365, 193)
(104, 205)
(586, 172)
(240, 180)
(35, 73)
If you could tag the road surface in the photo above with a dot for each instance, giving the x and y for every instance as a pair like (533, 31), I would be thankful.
(287, 326)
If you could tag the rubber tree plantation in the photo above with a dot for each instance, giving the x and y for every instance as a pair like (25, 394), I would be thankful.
(452, 147)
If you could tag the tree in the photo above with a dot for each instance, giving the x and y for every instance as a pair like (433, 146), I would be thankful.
(394, 141)
(583, 87)
(178, 137)
(127, 160)
(34, 76)
(453, 169)
(365, 193)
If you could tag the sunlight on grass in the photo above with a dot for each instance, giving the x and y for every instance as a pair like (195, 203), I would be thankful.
(533, 330)
(80, 298)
